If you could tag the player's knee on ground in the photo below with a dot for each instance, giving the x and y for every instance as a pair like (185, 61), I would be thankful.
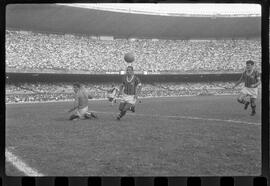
(253, 102)
(121, 106)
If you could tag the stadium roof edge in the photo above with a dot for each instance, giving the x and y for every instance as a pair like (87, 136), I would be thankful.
(61, 19)
(136, 11)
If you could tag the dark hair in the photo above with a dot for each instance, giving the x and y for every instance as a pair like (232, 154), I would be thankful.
(130, 67)
(250, 62)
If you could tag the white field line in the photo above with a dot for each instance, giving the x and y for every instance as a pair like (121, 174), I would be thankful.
(20, 165)
(190, 118)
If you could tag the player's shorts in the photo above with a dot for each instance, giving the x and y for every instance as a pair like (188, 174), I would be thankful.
(252, 92)
(81, 112)
(128, 99)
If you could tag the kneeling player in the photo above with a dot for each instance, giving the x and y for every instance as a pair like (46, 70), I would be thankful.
(251, 77)
(81, 104)
(131, 86)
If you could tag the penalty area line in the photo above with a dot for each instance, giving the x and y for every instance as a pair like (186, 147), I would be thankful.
(190, 118)
(20, 165)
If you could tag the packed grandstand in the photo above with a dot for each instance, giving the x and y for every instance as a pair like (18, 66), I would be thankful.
(68, 53)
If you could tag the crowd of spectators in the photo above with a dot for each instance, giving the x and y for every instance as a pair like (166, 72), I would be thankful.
(61, 52)
(36, 92)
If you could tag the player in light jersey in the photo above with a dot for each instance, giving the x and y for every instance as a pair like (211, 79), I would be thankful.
(251, 78)
(81, 104)
(130, 88)
(112, 94)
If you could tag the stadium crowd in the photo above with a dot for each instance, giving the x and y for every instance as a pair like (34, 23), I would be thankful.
(36, 92)
(73, 53)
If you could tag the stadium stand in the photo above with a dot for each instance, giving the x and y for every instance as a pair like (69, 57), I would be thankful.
(77, 53)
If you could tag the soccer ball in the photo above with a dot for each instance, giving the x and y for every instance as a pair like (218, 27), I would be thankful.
(129, 57)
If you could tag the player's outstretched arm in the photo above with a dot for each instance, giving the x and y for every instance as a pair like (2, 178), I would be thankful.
(238, 82)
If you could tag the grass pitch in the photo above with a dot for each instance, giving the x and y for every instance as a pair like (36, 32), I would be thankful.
(183, 136)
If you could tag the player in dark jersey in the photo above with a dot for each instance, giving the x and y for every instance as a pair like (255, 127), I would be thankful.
(251, 78)
(130, 88)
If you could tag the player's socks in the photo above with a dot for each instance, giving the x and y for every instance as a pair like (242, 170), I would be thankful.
(132, 108)
(122, 113)
(94, 115)
(73, 117)
(253, 112)
(246, 105)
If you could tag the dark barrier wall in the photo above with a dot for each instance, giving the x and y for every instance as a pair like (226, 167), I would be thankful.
(29, 77)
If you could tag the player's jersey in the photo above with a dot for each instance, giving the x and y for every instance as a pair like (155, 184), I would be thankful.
(250, 79)
(130, 85)
(82, 98)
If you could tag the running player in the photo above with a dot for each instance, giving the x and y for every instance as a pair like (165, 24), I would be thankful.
(131, 87)
(112, 93)
(81, 104)
(251, 78)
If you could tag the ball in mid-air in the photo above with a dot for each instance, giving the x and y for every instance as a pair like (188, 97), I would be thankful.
(129, 57)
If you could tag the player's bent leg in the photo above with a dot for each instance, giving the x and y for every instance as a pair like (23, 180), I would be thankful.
(82, 113)
(241, 98)
(122, 109)
(74, 117)
(253, 106)
(122, 105)
(246, 102)
(131, 107)
(127, 107)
